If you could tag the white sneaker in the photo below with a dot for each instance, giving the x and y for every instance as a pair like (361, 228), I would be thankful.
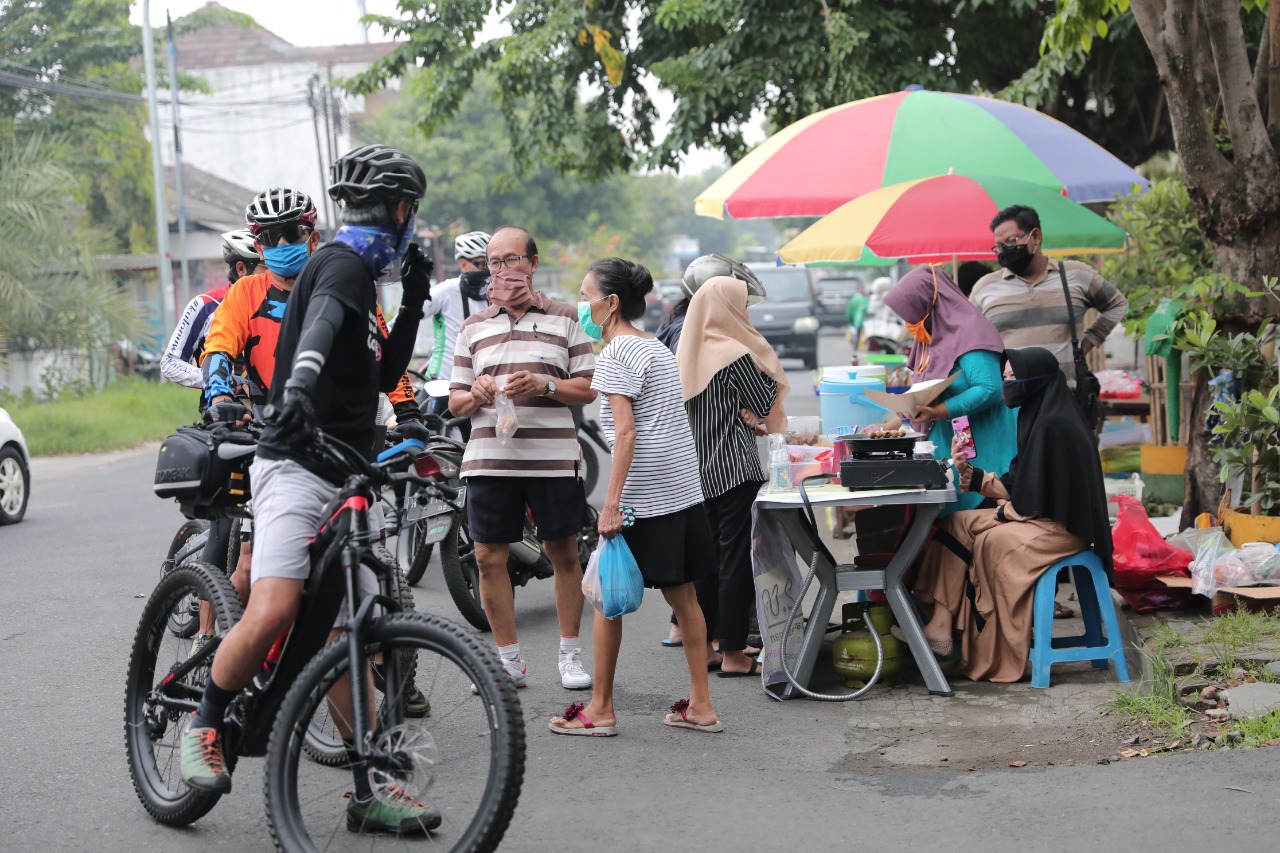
(572, 675)
(516, 669)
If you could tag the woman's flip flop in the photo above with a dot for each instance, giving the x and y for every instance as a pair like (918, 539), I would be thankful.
(682, 708)
(755, 670)
(587, 729)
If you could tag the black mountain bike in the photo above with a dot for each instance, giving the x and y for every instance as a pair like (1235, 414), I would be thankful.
(465, 758)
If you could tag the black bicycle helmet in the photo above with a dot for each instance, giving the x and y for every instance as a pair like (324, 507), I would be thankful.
(238, 246)
(375, 174)
(277, 206)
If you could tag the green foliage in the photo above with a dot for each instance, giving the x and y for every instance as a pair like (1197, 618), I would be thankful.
(473, 184)
(592, 70)
(1168, 254)
(124, 414)
(1247, 428)
(1155, 702)
(52, 293)
(87, 43)
(1260, 731)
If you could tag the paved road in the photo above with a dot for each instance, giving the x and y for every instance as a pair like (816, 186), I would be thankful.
(781, 777)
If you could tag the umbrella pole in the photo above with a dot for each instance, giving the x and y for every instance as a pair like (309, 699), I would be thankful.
(955, 269)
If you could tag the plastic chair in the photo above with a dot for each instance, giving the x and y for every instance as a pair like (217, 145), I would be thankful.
(1097, 610)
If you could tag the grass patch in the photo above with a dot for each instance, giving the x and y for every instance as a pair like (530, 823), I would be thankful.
(1165, 636)
(1156, 702)
(1239, 628)
(1260, 731)
(125, 414)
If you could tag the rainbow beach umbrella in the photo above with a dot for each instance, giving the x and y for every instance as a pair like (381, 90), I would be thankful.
(946, 218)
(822, 161)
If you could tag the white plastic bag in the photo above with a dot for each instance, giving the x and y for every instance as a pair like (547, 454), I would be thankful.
(508, 423)
(591, 579)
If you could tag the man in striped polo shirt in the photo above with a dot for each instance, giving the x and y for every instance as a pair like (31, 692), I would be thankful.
(1025, 301)
(532, 350)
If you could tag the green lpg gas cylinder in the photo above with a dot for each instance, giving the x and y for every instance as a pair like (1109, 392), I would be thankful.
(854, 651)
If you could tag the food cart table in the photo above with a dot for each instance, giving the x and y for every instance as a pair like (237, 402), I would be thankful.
(787, 508)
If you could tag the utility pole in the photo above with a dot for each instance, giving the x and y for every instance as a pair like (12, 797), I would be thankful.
(177, 157)
(167, 308)
(313, 99)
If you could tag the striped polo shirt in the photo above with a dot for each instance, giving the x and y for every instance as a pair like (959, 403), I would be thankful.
(1035, 314)
(546, 340)
(663, 477)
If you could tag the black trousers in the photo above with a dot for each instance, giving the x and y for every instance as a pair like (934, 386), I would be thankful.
(727, 596)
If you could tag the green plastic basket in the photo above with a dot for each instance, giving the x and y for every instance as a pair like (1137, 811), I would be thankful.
(887, 359)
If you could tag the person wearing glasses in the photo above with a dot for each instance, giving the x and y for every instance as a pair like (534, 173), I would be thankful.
(1025, 300)
(532, 350)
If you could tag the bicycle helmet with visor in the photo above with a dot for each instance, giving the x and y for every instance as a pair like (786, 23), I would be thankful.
(375, 175)
(473, 246)
(280, 212)
(710, 266)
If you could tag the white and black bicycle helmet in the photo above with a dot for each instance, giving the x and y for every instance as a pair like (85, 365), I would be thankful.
(710, 266)
(238, 246)
(372, 175)
(472, 245)
(278, 206)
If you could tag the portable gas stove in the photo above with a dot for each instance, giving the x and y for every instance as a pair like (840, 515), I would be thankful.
(887, 463)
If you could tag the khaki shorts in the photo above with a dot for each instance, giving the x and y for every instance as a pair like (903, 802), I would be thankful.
(288, 505)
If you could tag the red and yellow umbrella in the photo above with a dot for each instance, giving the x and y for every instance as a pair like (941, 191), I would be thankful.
(947, 218)
(824, 160)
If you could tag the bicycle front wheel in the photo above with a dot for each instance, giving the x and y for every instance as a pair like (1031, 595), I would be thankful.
(465, 759)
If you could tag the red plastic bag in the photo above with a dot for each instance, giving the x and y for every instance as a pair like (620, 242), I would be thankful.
(1141, 556)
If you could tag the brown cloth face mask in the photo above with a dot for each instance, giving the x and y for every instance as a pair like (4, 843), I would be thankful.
(511, 289)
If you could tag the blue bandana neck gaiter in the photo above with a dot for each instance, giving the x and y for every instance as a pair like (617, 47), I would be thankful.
(375, 244)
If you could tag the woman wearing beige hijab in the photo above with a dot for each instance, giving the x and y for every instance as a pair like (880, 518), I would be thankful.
(732, 383)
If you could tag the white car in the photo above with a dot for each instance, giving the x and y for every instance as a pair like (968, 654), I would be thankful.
(15, 471)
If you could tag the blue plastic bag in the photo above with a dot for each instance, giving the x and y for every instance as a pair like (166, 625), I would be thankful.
(621, 585)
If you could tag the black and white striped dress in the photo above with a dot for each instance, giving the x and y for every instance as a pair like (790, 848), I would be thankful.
(727, 454)
(664, 471)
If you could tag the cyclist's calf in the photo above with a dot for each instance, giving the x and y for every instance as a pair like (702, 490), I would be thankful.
(272, 609)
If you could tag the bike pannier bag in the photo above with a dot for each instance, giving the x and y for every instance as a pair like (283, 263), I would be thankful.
(188, 469)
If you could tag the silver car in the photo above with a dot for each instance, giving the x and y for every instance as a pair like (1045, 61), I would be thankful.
(15, 471)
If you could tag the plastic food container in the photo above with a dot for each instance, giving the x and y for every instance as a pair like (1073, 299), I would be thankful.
(803, 429)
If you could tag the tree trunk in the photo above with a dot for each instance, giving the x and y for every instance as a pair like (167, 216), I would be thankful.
(1201, 54)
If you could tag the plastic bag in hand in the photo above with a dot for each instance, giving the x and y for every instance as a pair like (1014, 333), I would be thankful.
(591, 578)
(508, 424)
(621, 584)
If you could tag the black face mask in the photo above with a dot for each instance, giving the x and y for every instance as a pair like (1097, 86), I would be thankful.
(1015, 259)
(1017, 392)
(473, 284)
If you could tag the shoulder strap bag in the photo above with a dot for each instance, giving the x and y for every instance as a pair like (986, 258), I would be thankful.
(1087, 385)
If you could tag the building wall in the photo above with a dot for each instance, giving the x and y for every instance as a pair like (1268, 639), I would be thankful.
(255, 127)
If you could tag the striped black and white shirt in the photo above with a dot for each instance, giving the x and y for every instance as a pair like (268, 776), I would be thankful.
(727, 454)
(664, 471)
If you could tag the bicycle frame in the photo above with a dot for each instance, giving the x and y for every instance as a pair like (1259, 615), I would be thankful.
(343, 544)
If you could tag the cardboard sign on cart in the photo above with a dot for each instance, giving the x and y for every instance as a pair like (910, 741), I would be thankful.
(920, 394)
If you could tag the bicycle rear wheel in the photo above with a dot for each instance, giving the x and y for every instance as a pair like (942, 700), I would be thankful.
(465, 759)
(185, 620)
(152, 732)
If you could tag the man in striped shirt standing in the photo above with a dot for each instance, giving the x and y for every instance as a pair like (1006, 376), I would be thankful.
(1025, 299)
(532, 350)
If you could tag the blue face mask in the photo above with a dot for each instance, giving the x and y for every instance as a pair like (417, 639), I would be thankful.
(375, 244)
(286, 260)
(593, 329)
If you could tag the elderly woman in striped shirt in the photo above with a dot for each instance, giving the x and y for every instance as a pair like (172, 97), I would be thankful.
(654, 476)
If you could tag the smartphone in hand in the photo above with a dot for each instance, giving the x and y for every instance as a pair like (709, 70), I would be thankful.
(964, 435)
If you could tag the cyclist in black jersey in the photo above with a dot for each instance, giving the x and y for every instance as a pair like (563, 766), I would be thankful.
(331, 361)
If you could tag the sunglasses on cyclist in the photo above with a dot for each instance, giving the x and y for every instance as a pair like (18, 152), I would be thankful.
(290, 232)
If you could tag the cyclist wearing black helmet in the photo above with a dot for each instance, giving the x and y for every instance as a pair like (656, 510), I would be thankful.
(331, 362)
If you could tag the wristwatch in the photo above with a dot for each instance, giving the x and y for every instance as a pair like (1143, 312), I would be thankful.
(551, 388)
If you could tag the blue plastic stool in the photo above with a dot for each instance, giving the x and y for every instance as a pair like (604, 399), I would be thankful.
(1097, 610)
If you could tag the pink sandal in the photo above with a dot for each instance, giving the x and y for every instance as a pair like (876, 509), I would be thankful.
(587, 729)
(681, 707)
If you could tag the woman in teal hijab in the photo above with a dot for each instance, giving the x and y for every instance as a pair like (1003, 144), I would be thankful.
(952, 335)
